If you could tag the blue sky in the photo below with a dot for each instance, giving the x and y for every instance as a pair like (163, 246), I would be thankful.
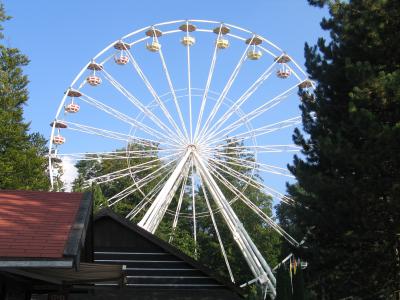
(60, 37)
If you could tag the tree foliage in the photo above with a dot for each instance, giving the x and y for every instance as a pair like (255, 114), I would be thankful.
(348, 177)
(298, 284)
(23, 164)
(3, 17)
(290, 281)
(283, 284)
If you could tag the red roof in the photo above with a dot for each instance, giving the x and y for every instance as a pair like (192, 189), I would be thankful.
(36, 224)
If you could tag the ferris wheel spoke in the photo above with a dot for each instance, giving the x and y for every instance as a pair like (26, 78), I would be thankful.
(242, 99)
(145, 202)
(128, 171)
(112, 135)
(109, 177)
(250, 149)
(255, 113)
(189, 80)
(102, 132)
(194, 212)
(254, 183)
(252, 255)
(158, 208)
(130, 190)
(253, 165)
(154, 214)
(292, 71)
(207, 88)
(155, 95)
(179, 205)
(259, 131)
(116, 175)
(234, 173)
(256, 166)
(106, 157)
(261, 148)
(148, 198)
(214, 153)
(122, 117)
(171, 87)
(225, 90)
(126, 154)
(138, 184)
(270, 127)
(112, 55)
(221, 244)
(138, 104)
(255, 208)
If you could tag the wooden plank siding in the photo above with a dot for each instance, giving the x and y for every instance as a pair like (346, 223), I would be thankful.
(152, 264)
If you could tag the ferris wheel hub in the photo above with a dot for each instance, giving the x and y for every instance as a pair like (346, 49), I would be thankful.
(192, 147)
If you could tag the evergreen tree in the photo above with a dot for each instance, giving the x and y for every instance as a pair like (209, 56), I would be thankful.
(348, 179)
(99, 201)
(3, 17)
(23, 164)
(283, 284)
(298, 284)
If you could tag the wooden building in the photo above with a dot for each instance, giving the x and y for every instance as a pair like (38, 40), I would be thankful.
(51, 247)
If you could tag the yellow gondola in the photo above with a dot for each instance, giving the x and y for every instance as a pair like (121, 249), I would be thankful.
(153, 46)
(222, 43)
(188, 40)
(254, 54)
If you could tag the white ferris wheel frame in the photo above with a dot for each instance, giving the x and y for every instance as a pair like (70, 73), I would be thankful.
(208, 169)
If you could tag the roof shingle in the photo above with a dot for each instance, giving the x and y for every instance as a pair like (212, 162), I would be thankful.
(36, 224)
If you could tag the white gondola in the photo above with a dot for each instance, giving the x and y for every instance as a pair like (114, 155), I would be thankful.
(121, 60)
(58, 139)
(93, 80)
(72, 108)
(283, 72)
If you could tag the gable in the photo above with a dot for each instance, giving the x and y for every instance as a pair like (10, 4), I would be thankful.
(111, 235)
(152, 264)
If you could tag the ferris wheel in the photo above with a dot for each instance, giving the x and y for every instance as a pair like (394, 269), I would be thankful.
(189, 101)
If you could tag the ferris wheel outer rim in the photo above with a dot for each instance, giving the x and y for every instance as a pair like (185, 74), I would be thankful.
(142, 29)
(125, 37)
(79, 75)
